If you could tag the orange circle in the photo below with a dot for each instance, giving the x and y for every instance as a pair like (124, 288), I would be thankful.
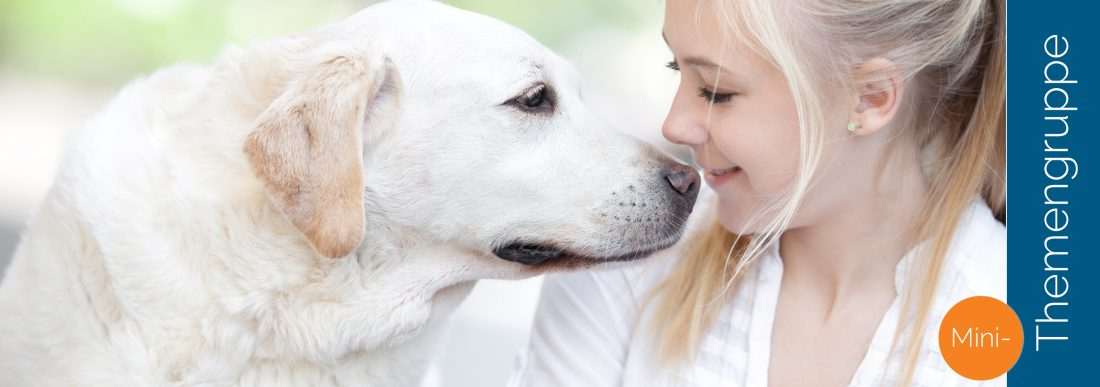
(981, 338)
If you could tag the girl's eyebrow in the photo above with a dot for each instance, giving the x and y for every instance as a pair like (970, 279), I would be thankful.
(699, 62)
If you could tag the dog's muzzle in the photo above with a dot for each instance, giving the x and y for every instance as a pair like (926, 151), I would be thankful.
(679, 186)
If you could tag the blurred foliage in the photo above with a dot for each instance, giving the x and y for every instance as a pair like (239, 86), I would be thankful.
(554, 22)
(107, 41)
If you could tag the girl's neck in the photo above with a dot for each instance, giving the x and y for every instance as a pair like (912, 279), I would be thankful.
(857, 246)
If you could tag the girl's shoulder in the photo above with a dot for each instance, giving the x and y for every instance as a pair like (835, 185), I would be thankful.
(978, 264)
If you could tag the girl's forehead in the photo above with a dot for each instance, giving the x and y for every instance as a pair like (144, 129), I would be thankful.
(734, 60)
(692, 19)
(693, 30)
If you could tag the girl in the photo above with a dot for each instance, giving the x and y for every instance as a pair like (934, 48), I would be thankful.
(855, 154)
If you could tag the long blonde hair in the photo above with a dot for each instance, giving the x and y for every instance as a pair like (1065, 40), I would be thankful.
(950, 53)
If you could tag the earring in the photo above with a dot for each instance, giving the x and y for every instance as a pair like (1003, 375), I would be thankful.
(852, 126)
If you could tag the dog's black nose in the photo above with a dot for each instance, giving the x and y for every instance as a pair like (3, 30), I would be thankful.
(683, 179)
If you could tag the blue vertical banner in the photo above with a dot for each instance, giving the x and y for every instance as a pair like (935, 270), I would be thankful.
(1053, 147)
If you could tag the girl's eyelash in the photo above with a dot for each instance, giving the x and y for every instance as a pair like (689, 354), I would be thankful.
(710, 96)
(713, 97)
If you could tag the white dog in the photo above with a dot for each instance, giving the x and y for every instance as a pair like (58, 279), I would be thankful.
(308, 210)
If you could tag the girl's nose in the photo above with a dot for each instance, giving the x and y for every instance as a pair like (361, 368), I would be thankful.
(684, 125)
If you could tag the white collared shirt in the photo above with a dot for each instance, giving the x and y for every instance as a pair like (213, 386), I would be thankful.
(587, 331)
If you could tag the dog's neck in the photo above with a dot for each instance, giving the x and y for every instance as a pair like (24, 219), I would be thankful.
(360, 317)
(231, 292)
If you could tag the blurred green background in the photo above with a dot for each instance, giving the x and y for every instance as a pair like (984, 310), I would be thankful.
(106, 41)
(61, 60)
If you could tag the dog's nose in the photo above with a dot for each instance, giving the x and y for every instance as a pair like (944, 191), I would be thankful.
(683, 179)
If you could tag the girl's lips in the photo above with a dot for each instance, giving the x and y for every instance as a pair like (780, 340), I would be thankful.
(715, 177)
(720, 172)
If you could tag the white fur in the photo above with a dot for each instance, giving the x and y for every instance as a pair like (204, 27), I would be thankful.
(158, 258)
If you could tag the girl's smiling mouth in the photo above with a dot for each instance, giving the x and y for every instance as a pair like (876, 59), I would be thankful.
(716, 177)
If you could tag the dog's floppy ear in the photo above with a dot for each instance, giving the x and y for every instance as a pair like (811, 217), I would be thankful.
(307, 146)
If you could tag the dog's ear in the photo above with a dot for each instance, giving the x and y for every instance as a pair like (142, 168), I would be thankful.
(307, 146)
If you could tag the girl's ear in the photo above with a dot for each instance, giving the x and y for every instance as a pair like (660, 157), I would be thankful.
(879, 88)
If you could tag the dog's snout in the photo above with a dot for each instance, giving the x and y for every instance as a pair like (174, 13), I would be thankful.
(684, 180)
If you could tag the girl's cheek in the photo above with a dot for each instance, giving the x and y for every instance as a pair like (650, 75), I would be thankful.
(730, 140)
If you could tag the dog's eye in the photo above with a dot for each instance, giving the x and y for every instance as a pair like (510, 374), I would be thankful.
(536, 99)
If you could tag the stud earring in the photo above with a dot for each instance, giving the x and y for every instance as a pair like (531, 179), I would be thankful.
(852, 126)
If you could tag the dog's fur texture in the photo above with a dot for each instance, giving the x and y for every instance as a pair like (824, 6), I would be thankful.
(306, 211)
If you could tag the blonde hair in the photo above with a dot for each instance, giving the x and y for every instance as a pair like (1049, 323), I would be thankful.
(950, 53)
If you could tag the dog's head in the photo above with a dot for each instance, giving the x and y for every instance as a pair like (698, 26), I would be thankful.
(444, 123)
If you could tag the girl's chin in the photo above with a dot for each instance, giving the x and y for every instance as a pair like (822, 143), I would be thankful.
(733, 217)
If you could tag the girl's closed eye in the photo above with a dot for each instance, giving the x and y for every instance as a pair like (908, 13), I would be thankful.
(710, 96)
(714, 96)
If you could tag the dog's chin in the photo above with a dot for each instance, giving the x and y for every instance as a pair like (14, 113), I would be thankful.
(547, 256)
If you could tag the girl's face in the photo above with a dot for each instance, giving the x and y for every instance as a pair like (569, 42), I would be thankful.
(735, 111)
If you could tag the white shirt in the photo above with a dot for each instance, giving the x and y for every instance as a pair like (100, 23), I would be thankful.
(587, 330)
